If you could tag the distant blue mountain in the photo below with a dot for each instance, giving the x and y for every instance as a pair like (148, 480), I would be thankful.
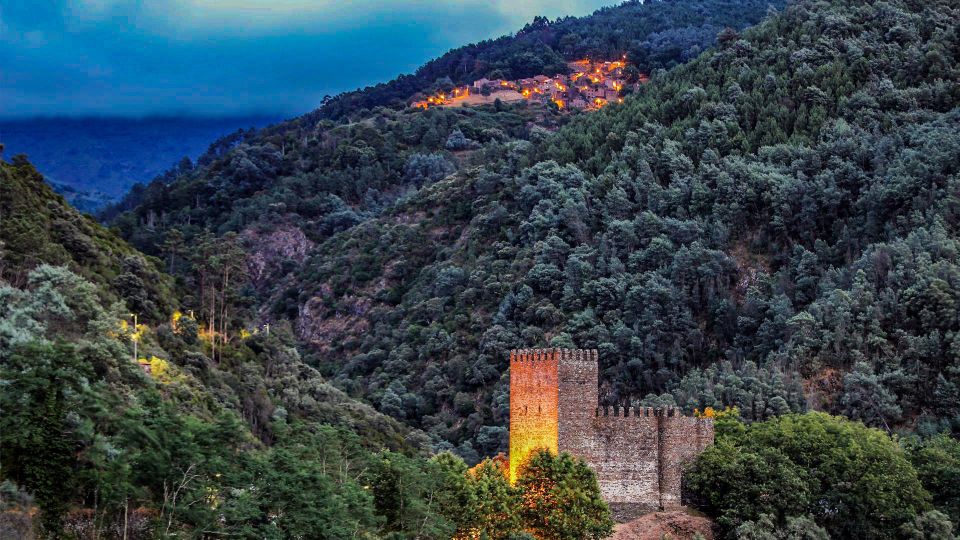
(93, 161)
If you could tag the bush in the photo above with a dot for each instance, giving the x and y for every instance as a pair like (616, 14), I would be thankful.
(853, 481)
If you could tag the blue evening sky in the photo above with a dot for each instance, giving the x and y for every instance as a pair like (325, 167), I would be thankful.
(226, 57)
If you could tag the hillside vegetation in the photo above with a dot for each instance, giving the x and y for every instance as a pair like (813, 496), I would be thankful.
(654, 34)
(37, 226)
(196, 444)
(124, 428)
(771, 226)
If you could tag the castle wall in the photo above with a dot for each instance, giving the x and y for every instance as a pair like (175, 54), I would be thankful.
(622, 448)
(637, 454)
(534, 391)
(682, 439)
(577, 377)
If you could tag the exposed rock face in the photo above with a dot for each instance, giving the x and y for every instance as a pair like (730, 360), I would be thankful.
(321, 324)
(270, 252)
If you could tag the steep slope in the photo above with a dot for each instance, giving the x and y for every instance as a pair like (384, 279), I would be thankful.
(771, 226)
(37, 226)
(111, 427)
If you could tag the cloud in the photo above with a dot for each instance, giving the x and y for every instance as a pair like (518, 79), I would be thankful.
(277, 14)
(229, 56)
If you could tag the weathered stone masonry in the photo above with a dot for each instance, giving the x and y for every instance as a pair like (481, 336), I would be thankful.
(637, 453)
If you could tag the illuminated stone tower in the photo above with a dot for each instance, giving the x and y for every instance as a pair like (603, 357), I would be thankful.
(638, 454)
(534, 396)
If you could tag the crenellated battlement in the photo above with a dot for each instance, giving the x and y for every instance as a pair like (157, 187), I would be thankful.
(637, 452)
(626, 411)
(553, 355)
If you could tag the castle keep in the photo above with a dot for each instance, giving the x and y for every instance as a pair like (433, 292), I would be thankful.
(637, 453)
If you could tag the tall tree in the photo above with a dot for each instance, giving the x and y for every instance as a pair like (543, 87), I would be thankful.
(560, 498)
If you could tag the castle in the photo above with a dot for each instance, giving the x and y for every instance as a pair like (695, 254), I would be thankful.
(637, 453)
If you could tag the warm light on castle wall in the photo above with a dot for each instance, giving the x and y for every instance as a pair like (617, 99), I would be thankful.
(534, 404)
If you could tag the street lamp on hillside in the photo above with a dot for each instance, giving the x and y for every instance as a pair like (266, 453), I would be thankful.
(135, 336)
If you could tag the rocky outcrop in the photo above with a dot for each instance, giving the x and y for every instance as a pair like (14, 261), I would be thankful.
(270, 254)
(325, 319)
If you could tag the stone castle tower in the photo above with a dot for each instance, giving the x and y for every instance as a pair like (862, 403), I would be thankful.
(637, 453)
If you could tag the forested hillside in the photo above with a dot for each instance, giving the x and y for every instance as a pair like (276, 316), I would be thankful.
(770, 226)
(767, 229)
(111, 443)
(653, 34)
(123, 428)
(37, 226)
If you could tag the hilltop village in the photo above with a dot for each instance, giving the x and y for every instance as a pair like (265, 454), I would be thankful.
(590, 85)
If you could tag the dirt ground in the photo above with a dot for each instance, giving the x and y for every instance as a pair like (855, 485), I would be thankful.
(673, 525)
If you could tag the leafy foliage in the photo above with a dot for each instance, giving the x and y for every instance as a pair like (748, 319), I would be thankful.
(85, 428)
(37, 226)
(937, 461)
(561, 499)
(804, 472)
(249, 443)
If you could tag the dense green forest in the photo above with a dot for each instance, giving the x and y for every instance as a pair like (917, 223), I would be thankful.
(37, 226)
(771, 226)
(816, 477)
(117, 428)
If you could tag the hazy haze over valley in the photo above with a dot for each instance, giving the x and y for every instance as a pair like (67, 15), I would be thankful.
(236, 57)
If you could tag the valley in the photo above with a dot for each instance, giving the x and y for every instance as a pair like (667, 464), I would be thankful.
(95, 161)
